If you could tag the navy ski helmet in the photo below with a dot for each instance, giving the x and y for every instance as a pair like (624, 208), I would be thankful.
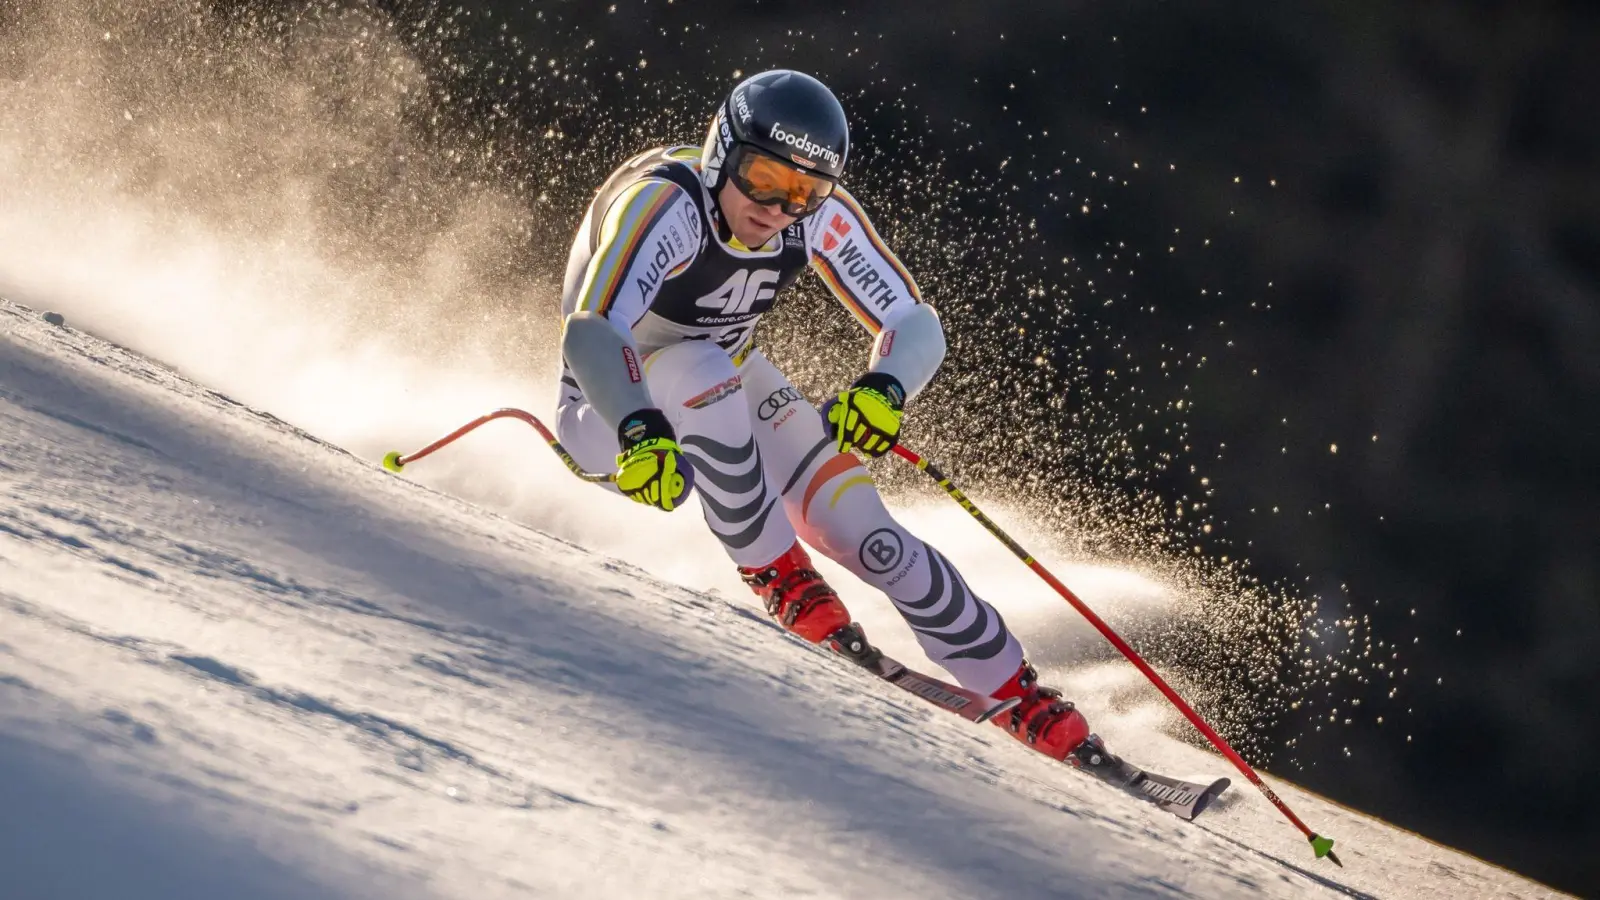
(788, 115)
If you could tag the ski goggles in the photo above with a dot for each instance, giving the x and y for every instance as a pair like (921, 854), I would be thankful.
(768, 180)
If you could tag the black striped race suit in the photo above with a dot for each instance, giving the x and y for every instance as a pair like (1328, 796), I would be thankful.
(685, 298)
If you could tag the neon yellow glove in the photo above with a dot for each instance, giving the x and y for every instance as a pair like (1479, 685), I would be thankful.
(651, 469)
(866, 416)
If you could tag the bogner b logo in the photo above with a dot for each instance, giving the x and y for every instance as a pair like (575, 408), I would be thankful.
(742, 290)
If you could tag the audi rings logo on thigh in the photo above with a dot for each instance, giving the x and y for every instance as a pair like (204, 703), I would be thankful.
(775, 403)
(880, 551)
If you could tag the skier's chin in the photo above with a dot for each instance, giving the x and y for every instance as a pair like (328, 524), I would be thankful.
(755, 232)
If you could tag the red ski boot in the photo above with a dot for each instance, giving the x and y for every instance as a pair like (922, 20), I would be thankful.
(1042, 720)
(797, 596)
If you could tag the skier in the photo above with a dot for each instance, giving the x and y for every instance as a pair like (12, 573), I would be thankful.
(681, 252)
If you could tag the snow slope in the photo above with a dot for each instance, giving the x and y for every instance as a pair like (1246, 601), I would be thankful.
(238, 662)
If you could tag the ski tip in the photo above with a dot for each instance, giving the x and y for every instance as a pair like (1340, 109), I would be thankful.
(1001, 707)
(391, 461)
(1323, 847)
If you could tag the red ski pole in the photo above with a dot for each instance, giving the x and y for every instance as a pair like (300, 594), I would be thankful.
(394, 461)
(1321, 846)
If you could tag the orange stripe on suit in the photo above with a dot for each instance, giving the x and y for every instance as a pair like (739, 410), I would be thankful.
(841, 463)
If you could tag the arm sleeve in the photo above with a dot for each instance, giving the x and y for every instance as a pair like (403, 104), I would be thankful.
(856, 265)
(645, 238)
(867, 278)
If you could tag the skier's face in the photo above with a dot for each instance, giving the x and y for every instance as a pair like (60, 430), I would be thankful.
(752, 223)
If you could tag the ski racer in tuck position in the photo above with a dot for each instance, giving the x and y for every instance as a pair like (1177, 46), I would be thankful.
(681, 252)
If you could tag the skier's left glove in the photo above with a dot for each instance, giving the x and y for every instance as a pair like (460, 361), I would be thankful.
(866, 416)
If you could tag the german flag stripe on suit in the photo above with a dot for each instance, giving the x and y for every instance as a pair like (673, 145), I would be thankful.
(830, 277)
(849, 202)
(633, 214)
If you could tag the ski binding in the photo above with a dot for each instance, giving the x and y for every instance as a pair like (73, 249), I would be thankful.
(1184, 799)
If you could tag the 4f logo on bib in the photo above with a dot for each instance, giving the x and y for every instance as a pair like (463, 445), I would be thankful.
(739, 295)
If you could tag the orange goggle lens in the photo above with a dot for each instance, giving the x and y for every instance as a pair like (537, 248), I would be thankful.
(767, 180)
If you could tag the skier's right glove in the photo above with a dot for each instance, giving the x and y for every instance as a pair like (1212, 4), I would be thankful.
(651, 469)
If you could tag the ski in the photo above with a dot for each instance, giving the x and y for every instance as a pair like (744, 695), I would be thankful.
(850, 643)
(1184, 799)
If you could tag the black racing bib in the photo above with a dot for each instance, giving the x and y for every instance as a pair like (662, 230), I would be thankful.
(718, 289)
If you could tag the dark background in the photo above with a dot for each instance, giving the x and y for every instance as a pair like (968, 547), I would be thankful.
(1301, 298)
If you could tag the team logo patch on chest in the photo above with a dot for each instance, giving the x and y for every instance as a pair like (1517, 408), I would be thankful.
(744, 294)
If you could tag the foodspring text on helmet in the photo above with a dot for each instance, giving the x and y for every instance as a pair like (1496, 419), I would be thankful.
(802, 142)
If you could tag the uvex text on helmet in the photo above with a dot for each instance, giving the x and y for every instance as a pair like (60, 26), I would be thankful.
(785, 113)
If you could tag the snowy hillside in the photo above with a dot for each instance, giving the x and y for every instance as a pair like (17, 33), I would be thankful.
(238, 662)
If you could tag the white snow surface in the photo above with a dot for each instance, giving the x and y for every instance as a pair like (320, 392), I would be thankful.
(237, 661)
